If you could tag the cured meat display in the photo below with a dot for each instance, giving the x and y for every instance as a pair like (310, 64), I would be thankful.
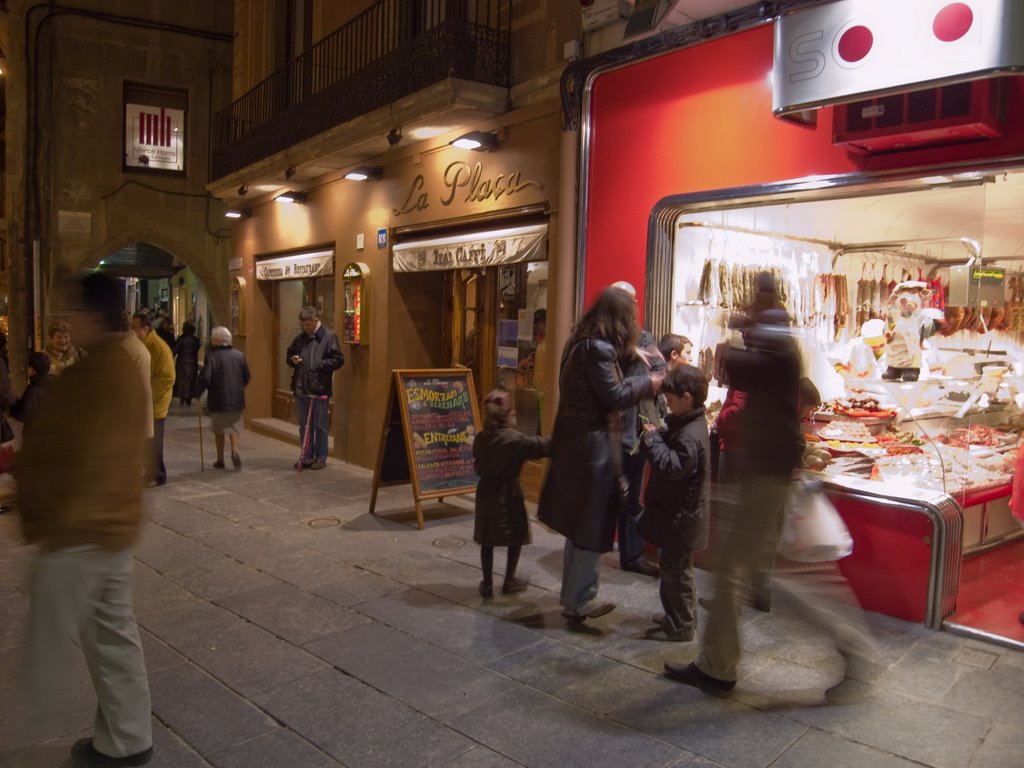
(977, 434)
(909, 436)
(858, 408)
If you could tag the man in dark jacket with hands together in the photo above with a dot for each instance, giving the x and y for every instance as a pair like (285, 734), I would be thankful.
(315, 355)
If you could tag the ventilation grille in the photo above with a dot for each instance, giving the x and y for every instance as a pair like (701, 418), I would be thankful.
(953, 113)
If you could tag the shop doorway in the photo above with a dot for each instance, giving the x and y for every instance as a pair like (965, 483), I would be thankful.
(494, 294)
(498, 322)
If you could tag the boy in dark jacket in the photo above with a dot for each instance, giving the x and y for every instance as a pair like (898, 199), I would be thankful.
(677, 499)
(39, 384)
(499, 452)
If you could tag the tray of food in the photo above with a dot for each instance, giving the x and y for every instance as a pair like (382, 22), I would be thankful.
(866, 409)
(839, 448)
(846, 432)
(979, 435)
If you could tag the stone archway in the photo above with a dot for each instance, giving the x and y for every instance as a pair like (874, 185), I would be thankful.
(216, 289)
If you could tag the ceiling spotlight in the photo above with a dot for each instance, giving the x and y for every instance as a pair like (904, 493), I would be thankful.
(366, 173)
(238, 213)
(243, 190)
(291, 197)
(289, 172)
(481, 141)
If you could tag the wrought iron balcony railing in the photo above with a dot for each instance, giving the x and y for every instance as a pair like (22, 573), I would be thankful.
(391, 50)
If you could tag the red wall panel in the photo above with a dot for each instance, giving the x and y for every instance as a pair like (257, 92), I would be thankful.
(700, 119)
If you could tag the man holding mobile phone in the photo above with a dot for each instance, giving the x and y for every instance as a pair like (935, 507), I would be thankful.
(314, 356)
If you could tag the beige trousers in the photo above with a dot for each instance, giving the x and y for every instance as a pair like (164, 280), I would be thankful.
(83, 596)
(748, 543)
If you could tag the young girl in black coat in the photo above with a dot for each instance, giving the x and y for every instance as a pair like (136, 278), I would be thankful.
(499, 452)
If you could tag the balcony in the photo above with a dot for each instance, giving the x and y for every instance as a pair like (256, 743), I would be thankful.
(391, 51)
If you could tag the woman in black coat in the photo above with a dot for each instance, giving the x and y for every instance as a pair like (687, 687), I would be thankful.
(499, 452)
(583, 490)
(186, 364)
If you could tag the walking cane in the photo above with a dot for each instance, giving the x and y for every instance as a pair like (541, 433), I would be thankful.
(304, 453)
(202, 457)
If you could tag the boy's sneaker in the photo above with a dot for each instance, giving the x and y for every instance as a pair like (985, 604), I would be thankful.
(662, 632)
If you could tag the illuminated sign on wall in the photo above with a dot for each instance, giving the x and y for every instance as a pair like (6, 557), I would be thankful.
(154, 137)
(850, 49)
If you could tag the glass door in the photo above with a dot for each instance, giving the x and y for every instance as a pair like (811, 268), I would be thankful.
(498, 328)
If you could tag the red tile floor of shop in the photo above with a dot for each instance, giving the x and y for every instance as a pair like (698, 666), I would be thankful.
(991, 595)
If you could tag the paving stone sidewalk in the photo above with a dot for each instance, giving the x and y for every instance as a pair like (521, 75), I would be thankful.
(285, 626)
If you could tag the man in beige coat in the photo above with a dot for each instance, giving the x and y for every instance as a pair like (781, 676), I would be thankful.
(161, 381)
(80, 493)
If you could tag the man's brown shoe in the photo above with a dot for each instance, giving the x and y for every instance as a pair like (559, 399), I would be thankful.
(691, 674)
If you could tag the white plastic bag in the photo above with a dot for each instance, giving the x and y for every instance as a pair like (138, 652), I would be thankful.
(813, 531)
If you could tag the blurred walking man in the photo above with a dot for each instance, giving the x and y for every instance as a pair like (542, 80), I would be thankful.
(767, 369)
(80, 478)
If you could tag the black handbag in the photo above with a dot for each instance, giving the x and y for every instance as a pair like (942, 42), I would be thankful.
(620, 488)
(714, 449)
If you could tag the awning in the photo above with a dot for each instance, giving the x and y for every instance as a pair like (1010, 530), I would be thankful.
(476, 249)
(296, 266)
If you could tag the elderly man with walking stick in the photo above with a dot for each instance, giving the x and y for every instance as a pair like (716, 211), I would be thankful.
(315, 355)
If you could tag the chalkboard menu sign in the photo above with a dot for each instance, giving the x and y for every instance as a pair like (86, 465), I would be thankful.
(431, 421)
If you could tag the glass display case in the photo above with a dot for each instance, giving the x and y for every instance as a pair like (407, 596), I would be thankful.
(955, 434)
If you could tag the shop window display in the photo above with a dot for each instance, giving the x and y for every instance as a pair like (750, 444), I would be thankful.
(918, 361)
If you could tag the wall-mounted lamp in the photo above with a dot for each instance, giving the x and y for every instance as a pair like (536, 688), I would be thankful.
(243, 190)
(365, 173)
(481, 141)
(238, 213)
(291, 197)
(289, 172)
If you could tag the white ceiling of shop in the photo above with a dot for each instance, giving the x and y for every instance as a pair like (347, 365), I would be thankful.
(991, 213)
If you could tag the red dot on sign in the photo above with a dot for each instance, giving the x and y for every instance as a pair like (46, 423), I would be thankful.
(952, 22)
(855, 43)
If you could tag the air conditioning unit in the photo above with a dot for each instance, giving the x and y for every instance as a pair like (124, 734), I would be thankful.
(948, 115)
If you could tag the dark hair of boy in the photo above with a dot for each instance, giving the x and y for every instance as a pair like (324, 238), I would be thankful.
(672, 342)
(687, 379)
(39, 362)
(498, 407)
(808, 395)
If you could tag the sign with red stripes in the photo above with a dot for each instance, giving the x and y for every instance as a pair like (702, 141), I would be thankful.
(154, 137)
